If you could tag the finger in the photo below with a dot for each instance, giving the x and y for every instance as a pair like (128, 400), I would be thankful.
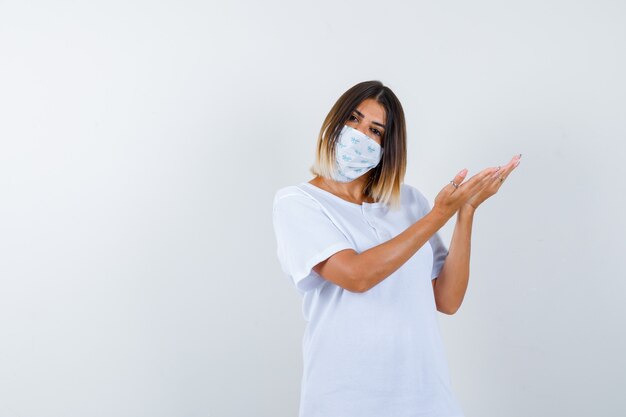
(514, 161)
(478, 181)
(489, 183)
(508, 168)
(458, 178)
(494, 182)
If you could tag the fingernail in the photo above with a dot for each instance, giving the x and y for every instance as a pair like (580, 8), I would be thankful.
(462, 172)
(517, 163)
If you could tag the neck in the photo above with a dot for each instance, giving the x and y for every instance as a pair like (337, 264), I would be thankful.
(354, 190)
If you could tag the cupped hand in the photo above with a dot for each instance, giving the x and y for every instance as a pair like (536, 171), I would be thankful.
(452, 197)
(493, 183)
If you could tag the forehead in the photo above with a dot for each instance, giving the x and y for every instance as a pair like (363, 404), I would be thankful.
(372, 110)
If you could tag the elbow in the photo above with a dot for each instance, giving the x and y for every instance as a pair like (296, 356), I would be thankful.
(355, 287)
(358, 286)
(445, 303)
(358, 281)
(447, 310)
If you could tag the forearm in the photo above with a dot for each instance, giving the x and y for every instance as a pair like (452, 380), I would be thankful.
(451, 285)
(395, 252)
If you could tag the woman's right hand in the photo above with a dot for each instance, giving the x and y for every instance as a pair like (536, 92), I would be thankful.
(450, 198)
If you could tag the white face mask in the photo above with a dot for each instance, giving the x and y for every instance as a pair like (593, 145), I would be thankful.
(355, 154)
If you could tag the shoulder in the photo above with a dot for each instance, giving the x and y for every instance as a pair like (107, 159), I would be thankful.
(414, 199)
(293, 196)
(411, 193)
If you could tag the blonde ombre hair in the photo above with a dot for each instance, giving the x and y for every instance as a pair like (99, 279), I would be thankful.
(386, 178)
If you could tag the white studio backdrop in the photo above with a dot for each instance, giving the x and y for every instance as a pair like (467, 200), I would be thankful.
(141, 144)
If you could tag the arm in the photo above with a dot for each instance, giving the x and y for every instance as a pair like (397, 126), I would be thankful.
(358, 272)
(450, 286)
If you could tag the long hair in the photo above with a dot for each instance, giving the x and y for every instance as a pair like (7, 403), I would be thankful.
(386, 178)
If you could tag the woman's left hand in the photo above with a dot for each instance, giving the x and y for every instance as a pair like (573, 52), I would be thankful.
(493, 185)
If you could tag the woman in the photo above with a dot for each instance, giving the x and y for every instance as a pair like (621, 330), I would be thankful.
(363, 250)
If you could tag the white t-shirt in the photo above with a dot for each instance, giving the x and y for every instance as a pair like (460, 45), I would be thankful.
(375, 353)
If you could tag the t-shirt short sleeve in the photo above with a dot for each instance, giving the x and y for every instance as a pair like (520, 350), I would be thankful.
(440, 250)
(305, 236)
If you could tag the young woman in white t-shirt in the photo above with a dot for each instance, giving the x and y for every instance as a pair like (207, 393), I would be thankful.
(364, 251)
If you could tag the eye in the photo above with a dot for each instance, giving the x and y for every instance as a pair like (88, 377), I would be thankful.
(376, 132)
(352, 117)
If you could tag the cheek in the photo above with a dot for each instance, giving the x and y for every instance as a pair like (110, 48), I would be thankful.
(352, 124)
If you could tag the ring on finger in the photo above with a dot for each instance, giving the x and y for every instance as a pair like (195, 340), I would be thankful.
(454, 184)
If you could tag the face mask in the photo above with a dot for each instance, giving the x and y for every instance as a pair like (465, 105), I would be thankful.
(355, 154)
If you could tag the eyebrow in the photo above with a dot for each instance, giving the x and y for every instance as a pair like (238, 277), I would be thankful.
(373, 122)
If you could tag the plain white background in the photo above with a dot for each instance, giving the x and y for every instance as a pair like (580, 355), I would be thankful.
(142, 144)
